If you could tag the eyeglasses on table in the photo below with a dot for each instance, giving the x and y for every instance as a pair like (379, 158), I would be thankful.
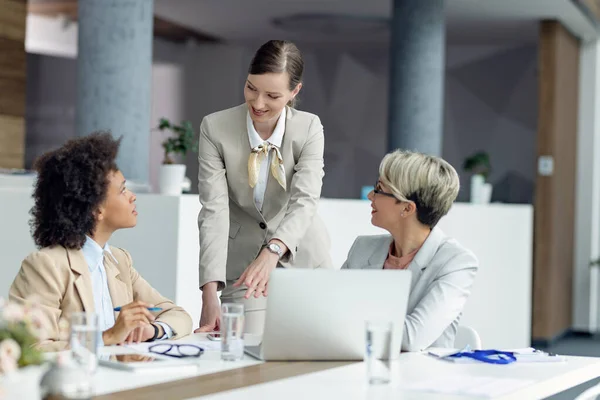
(180, 350)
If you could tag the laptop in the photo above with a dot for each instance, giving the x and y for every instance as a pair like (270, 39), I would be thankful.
(320, 314)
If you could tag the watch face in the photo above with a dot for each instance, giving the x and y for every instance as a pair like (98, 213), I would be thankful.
(275, 247)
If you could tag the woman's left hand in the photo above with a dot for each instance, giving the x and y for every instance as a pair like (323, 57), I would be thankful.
(256, 275)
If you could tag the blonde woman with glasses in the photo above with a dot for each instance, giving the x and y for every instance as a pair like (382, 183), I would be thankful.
(413, 192)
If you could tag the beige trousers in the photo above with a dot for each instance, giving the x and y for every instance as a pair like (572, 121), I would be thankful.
(254, 308)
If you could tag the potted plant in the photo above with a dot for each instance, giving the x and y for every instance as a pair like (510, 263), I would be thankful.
(21, 328)
(171, 173)
(479, 165)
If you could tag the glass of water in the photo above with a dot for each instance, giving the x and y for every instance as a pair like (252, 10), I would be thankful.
(232, 331)
(85, 340)
(378, 351)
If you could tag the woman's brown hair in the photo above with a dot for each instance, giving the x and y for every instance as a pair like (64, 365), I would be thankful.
(277, 56)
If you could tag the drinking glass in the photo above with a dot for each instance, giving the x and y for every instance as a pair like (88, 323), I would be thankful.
(378, 351)
(85, 340)
(232, 331)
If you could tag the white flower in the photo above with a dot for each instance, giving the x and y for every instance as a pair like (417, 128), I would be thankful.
(10, 352)
(7, 365)
(12, 312)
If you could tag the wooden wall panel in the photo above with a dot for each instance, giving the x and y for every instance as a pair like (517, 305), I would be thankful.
(12, 96)
(12, 19)
(555, 194)
(12, 83)
(12, 145)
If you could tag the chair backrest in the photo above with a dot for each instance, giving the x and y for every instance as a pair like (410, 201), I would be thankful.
(466, 335)
(590, 394)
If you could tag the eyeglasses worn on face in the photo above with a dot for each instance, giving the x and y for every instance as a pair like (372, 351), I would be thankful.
(377, 190)
(181, 350)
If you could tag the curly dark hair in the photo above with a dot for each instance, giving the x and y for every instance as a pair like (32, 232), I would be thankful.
(71, 184)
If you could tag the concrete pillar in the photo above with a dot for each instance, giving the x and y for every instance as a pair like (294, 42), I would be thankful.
(417, 76)
(114, 77)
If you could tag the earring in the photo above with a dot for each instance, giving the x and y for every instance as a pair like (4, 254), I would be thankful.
(402, 214)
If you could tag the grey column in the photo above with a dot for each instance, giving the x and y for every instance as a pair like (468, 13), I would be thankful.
(114, 77)
(417, 58)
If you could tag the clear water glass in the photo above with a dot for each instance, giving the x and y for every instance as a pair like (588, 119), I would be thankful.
(232, 332)
(85, 340)
(378, 351)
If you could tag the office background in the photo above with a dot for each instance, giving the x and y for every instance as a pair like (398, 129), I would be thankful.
(498, 68)
(490, 98)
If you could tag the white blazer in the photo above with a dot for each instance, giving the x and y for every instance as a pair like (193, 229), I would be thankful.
(442, 276)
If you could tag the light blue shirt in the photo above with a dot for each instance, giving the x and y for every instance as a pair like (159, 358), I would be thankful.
(94, 256)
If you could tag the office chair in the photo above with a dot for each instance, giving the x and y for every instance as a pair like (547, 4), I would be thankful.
(466, 335)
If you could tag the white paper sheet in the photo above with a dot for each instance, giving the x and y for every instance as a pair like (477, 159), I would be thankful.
(470, 385)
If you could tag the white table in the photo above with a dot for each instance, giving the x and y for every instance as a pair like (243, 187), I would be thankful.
(348, 382)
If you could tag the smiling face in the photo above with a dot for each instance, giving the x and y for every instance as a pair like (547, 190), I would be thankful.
(386, 210)
(118, 210)
(267, 94)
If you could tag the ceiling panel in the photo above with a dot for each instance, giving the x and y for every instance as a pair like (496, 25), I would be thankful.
(468, 21)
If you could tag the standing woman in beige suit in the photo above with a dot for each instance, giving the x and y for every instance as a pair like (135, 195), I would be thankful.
(260, 176)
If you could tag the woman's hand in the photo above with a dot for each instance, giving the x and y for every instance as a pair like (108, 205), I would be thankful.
(143, 334)
(256, 276)
(133, 315)
(210, 319)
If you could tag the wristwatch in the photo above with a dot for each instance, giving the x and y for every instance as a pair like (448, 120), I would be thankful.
(156, 331)
(275, 248)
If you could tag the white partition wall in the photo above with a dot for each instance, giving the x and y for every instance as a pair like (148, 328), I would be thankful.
(501, 237)
(164, 247)
(586, 282)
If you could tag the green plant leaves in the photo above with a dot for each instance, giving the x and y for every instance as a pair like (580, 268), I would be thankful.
(478, 163)
(181, 141)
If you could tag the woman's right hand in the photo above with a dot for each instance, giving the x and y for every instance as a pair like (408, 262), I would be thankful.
(210, 319)
(133, 315)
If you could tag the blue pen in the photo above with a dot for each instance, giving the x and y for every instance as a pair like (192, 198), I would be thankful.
(149, 309)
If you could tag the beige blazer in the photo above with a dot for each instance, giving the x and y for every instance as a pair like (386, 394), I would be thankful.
(442, 276)
(59, 280)
(232, 230)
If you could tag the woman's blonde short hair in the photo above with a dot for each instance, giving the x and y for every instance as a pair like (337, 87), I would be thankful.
(430, 182)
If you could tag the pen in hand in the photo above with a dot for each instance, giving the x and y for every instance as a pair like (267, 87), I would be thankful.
(149, 309)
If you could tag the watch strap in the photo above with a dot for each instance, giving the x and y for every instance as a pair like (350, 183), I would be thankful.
(156, 331)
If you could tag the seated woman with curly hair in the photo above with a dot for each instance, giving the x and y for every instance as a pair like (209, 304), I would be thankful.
(80, 200)
(413, 192)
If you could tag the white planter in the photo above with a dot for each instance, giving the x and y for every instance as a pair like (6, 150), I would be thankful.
(22, 384)
(170, 179)
(481, 192)
(486, 193)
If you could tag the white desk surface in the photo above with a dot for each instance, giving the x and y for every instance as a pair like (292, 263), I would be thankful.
(348, 382)
(110, 380)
